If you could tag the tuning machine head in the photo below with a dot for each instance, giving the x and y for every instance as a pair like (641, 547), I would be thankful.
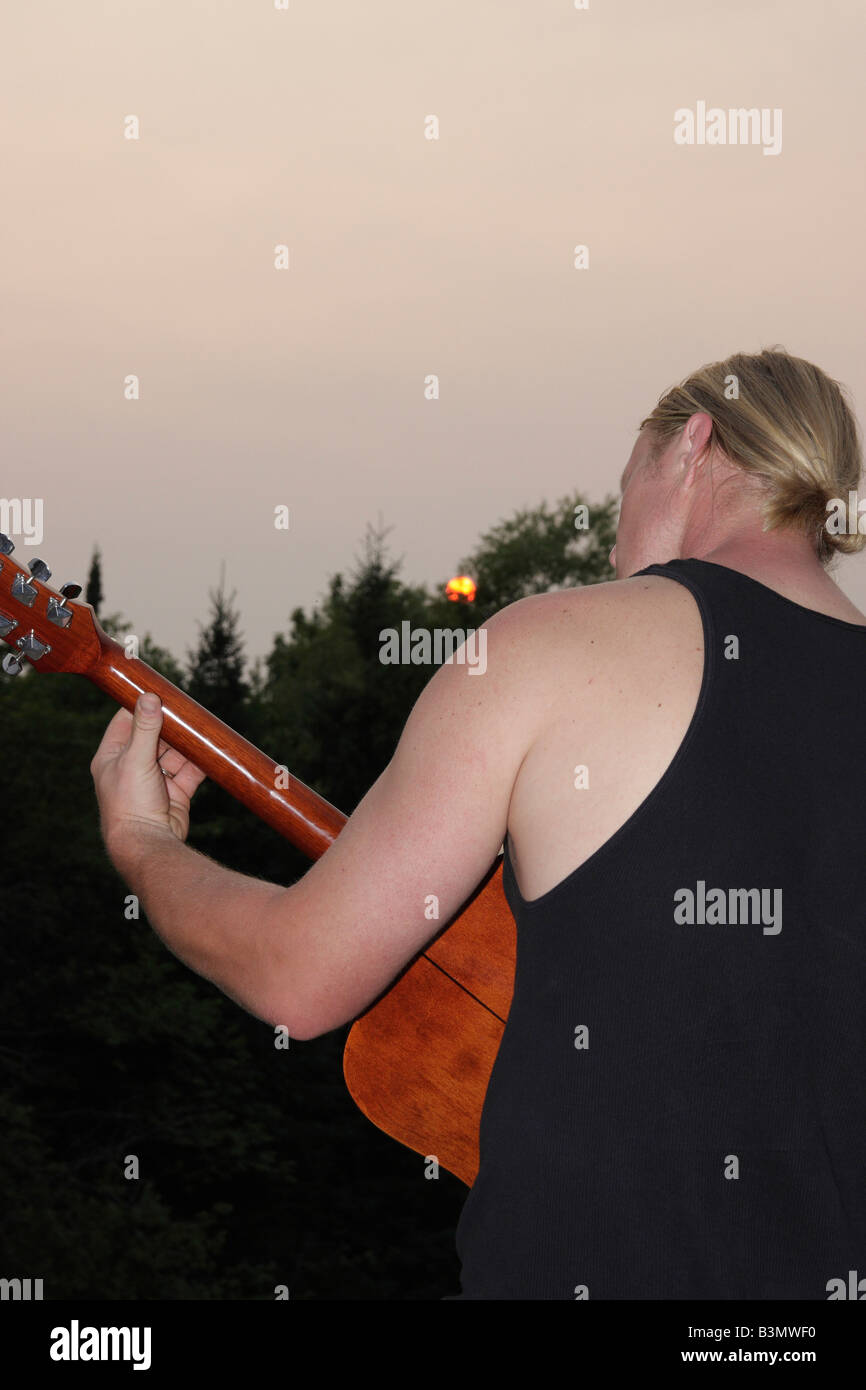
(57, 612)
(29, 646)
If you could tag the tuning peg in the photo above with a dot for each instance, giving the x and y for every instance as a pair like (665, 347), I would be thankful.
(29, 646)
(57, 611)
(6, 546)
(39, 570)
(25, 591)
(32, 646)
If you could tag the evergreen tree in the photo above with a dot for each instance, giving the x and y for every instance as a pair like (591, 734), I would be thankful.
(331, 710)
(93, 588)
(216, 667)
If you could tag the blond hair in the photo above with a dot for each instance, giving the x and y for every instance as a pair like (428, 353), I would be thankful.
(787, 425)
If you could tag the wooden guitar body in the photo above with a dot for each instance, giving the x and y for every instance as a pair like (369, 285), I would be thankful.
(417, 1063)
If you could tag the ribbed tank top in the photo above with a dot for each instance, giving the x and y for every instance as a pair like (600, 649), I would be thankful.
(678, 1106)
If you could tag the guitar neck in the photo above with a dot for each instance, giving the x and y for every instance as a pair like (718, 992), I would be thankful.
(309, 822)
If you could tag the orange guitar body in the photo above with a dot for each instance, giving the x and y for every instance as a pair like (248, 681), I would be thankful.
(418, 1061)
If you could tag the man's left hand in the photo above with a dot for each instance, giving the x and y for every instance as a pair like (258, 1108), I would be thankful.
(143, 786)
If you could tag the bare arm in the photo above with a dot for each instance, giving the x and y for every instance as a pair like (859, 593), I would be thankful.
(213, 919)
(314, 955)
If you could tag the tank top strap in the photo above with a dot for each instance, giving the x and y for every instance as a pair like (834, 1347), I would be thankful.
(725, 596)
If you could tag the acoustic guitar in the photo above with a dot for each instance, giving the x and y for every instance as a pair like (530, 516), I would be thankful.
(418, 1060)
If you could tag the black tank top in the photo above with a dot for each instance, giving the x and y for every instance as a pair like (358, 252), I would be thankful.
(678, 1106)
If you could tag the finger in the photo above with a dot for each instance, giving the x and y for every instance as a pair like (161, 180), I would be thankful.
(170, 760)
(144, 736)
(115, 738)
(174, 764)
(187, 779)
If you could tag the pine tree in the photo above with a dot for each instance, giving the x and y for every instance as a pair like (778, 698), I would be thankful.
(216, 667)
(93, 591)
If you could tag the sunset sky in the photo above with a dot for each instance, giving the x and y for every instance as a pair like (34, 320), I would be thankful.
(408, 256)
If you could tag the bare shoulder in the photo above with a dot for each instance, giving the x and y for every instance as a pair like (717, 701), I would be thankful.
(611, 615)
(603, 657)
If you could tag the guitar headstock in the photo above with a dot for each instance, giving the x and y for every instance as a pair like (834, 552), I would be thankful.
(42, 626)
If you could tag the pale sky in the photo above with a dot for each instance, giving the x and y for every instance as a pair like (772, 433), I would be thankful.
(407, 257)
